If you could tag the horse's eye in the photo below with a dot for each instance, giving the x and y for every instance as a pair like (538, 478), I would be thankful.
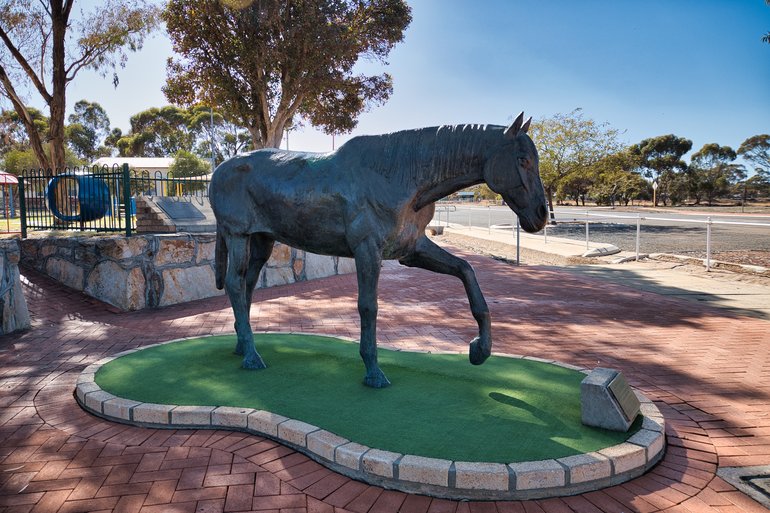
(524, 162)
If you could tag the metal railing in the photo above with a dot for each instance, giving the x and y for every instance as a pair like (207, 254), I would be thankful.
(100, 199)
(464, 214)
(709, 222)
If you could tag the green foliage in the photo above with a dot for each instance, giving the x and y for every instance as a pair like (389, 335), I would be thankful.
(263, 63)
(88, 127)
(569, 145)
(207, 126)
(157, 132)
(660, 158)
(17, 160)
(12, 132)
(710, 171)
(756, 149)
(186, 164)
(484, 192)
(47, 49)
(616, 180)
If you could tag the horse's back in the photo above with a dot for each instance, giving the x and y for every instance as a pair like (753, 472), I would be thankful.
(322, 203)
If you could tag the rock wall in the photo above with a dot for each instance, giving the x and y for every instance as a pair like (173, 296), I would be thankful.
(13, 306)
(148, 271)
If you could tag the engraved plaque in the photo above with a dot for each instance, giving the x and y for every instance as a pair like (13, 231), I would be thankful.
(625, 397)
(176, 209)
(607, 401)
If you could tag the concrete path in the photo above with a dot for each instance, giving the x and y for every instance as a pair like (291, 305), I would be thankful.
(707, 369)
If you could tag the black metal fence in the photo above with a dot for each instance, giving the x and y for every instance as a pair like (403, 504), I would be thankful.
(101, 199)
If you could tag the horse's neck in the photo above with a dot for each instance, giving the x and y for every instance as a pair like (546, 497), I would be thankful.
(454, 159)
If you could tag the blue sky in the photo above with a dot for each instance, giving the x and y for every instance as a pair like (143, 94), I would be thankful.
(695, 68)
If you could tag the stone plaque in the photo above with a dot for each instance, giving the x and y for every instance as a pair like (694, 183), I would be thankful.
(176, 209)
(625, 397)
(607, 401)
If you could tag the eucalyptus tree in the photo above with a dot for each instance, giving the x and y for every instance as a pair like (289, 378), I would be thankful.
(88, 127)
(617, 181)
(569, 145)
(263, 63)
(157, 132)
(713, 169)
(756, 150)
(660, 158)
(45, 47)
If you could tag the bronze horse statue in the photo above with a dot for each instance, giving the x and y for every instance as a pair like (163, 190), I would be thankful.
(371, 199)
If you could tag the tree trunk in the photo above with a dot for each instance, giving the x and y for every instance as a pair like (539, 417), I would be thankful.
(256, 138)
(57, 105)
(549, 191)
(34, 137)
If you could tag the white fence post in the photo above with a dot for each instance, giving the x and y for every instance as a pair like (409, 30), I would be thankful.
(518, 239)
(638, 231)
(708, 244)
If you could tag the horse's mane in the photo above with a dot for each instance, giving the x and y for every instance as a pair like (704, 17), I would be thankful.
(435, 154)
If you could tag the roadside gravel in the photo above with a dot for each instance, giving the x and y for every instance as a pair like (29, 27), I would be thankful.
(726, 244)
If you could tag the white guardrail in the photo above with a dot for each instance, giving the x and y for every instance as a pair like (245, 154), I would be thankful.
(638, 219)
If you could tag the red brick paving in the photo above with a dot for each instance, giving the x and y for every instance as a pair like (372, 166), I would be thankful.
(708, 371)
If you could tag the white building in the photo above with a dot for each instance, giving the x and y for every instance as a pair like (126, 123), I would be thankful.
(156, 167)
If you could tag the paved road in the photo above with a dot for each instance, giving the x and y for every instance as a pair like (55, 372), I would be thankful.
(660, 232)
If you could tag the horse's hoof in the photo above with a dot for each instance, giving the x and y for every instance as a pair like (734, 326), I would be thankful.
(479, 353)
(254, 363)
(377, 381)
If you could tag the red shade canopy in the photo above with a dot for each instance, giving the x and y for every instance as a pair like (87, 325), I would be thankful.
(6, 178)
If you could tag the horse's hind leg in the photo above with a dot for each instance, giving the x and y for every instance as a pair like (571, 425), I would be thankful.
(368, 262)
(246, 256)
(428, 255)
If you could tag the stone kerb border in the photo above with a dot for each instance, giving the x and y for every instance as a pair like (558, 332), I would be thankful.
(408, 473)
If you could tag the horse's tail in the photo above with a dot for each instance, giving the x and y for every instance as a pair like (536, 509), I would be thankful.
(220, 259)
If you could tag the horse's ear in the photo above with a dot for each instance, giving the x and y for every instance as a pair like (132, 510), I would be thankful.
(513, 130)
(525, 126)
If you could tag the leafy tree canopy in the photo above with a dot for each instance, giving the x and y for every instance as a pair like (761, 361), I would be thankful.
(157, 132)
(756, 149)
(45, 46)
(186, 164)
(711, 172)
(663, 153)
(263, 62)
(568, 146)
(660, 158)
(88, 127)
(12, 132)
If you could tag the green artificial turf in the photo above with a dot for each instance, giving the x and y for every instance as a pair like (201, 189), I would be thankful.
(507, 410)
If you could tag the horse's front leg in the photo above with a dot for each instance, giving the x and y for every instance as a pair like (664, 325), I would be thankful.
(239, 285)
(368, 262)
(428, 255)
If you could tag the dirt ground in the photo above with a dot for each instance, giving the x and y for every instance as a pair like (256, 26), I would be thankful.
(725, 267)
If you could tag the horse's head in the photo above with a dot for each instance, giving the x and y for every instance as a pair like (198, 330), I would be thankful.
(512, 171)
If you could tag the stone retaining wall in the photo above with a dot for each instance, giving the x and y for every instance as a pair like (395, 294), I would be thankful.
(148, 271)
(13, 306)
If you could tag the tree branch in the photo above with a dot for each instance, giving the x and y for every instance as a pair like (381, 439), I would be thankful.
(25, 66)
(29, 125)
